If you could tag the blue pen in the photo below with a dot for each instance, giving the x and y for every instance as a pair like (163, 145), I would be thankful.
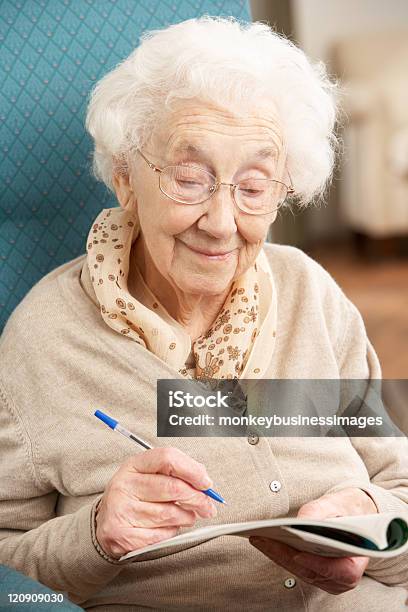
(113, 424)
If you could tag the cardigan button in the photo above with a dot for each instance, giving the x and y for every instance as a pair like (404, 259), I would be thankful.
(275, 486)
(253, 438)
(289, 583)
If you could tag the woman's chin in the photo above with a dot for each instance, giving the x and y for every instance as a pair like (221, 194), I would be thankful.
(212, 287)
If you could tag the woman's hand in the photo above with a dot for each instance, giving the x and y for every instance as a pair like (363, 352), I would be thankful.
(332, 575)
(149, 498)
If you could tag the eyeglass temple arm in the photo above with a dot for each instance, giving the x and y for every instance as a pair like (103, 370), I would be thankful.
(149, 163)
(291, 189)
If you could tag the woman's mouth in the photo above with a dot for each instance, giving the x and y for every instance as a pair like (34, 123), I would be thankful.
(211, 255)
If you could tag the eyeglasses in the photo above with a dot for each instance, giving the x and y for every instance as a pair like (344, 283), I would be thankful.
(193, 185)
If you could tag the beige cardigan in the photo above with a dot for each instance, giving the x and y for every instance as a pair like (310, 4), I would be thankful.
(60, 362)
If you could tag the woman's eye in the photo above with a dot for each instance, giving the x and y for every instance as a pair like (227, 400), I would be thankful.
(186, 183)
(251, 192)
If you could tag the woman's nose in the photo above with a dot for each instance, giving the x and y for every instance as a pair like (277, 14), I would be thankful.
(219, 220)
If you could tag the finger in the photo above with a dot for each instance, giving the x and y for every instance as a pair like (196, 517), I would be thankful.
(349, 501)
(160, 488)
(276, 549)
(205, 509)
(121, 542)
(149, 515)
(331, 587)
(335, 588)
(323, 507)
(171, 462)
(344, 571)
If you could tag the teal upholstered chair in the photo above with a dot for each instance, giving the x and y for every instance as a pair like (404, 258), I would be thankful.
(52, 52)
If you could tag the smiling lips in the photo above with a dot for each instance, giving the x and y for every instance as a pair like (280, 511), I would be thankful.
(215, 256)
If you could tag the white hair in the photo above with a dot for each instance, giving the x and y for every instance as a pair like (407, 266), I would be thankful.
(231, 64)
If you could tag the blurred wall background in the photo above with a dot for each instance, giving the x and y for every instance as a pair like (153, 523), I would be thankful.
(318, 26)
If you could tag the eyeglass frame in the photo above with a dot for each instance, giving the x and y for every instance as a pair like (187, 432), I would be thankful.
(215, 187)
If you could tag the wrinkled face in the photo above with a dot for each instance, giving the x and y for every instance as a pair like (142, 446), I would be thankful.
(202, 248)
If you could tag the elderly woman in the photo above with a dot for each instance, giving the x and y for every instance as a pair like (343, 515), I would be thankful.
(202, 133)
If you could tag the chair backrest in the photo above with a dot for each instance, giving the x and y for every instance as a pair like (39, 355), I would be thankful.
(52, 52)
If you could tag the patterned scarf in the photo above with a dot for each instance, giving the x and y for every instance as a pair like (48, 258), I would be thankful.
(239, 343)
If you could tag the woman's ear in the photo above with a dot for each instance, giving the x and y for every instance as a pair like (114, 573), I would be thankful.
(124, 192)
